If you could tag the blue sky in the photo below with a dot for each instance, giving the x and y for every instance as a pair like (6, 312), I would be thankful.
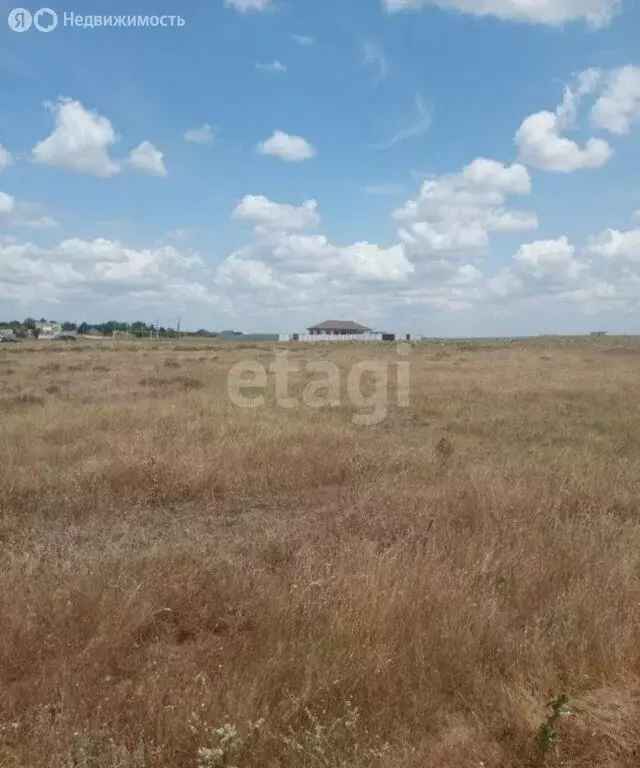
(452, 167)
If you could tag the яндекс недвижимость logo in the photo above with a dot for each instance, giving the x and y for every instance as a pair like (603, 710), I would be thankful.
(44, 20)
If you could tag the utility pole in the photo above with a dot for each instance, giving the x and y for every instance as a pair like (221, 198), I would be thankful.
(179, 327)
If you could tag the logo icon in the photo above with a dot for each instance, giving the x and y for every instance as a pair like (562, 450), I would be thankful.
(45, 20)
(19, 20)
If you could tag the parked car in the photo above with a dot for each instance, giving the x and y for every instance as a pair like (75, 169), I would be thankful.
(7, 339)
(63, 337)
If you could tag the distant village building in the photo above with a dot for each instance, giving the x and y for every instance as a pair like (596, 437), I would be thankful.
(338, 328)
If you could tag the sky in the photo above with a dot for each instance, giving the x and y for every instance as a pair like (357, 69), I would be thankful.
(448, 167)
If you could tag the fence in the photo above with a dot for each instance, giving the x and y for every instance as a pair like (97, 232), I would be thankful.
(332, 337)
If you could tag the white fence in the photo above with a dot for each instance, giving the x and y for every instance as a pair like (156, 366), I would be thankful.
(347, 337)
(332, 337)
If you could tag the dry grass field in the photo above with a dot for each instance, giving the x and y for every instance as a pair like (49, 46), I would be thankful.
(184, 583)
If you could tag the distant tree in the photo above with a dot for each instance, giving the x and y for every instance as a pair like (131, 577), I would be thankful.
(69, 326)
(83, 328)
(29, 323)
(139, 328)
(42, 320)
(35, 332)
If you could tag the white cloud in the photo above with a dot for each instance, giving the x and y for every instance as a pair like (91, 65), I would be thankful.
(272, 66)
(456, 213)
(550, 261)
(7, 203)
(618, 107)
(292, 149)
(245, 6)
(303, 265)
(493, 176)
(205, 134)
(304, 40)
(369, 261)
(506, 222)
(374, 57)
(541, 145)
(101, 271)
(99, 250)
(245, 271)
(284, 267)
(79, 142)
(418, 125)
(596, 13)
(616, 245)
(147, 158)
(603, 276)
(5, 158)
(267, 215)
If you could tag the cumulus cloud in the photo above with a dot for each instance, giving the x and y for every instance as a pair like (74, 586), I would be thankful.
(596, 13)
(291, 149)
(616, 245)
(369, 261)
(541, 145)
(618, 107)
(80, 141)
(205, 134)
(601, 276)
(267, 215)
(548, 261)
(456, 213)
(101, 270)
(147, 158)
(288, 266)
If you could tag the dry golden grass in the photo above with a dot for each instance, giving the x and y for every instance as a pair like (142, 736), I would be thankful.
(185, 583)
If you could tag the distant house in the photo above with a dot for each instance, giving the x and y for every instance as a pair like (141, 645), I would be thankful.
(229, 334)
(48, 329)
(338, 328)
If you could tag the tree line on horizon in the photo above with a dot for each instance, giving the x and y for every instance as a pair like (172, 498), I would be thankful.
(29, 327)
